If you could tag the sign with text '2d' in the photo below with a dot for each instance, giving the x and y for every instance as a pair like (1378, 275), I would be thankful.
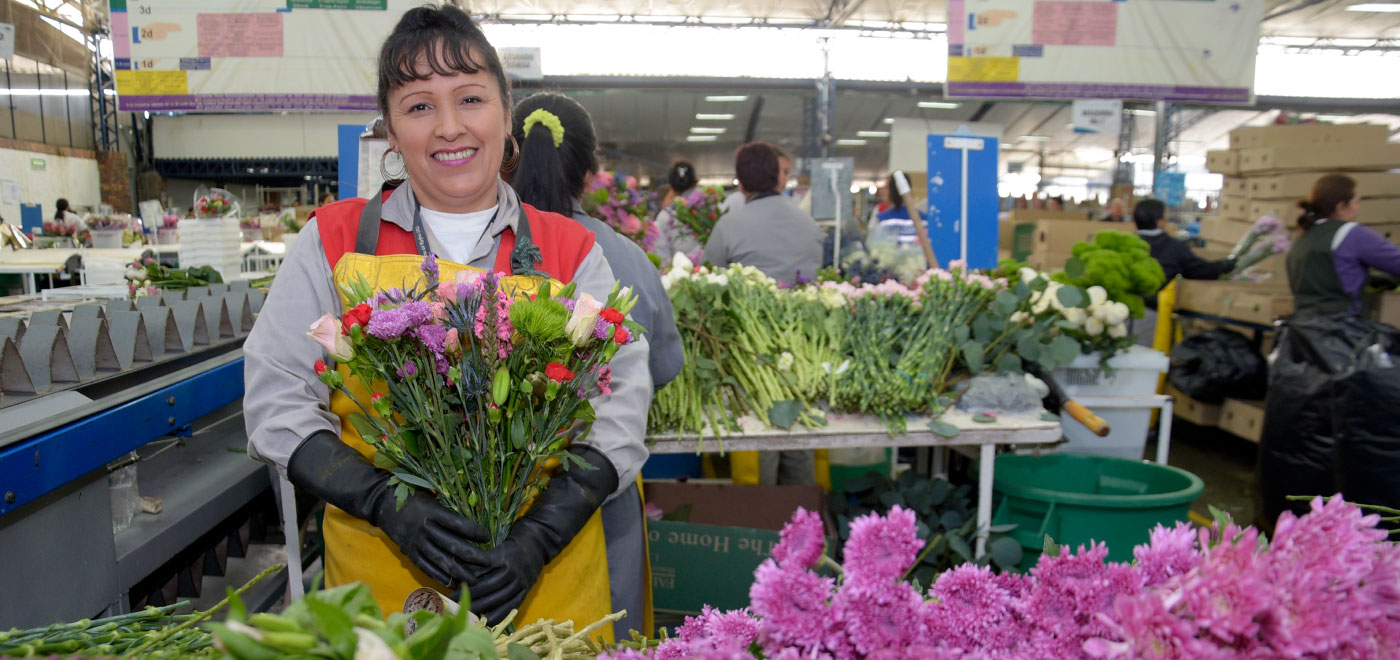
(962, 198)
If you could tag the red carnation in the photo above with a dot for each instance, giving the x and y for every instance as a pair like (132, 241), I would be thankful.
(558, 372)
(621, 335)
(612, 316)
(358, 315)
(320, 367)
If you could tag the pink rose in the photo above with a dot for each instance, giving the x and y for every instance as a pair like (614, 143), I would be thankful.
(326, 332)
(632, 182)
(439, 310)
(466, 278)
(450, 341)
(631, 224)
(447, 291)
(604, 178)
(580, 325)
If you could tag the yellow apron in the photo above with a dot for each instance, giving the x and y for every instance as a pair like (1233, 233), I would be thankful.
(572, 587)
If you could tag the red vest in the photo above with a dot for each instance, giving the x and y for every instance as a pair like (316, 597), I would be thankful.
(563, 243)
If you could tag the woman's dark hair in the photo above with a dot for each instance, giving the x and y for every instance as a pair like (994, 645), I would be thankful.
(550, 178)
(682, 176)
(1147, 212)
(895, 198)
(450, 43)
(60, 207)
(756, 167)
(1329, 192)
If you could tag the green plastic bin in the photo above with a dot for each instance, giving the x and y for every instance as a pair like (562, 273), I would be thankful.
(1076, 498)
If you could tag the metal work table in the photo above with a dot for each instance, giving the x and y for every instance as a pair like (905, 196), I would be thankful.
(852, 431)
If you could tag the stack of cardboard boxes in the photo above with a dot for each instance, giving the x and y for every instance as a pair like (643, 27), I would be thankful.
(1044, 239)
(1267, 170)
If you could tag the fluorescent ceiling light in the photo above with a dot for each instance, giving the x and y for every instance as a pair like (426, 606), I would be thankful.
(1143, 113)
(714, 130)
(726, 99)
(1035, 138)
(938, 105)
(1377, 7)
(43, 92)
(874, 134)
(851, 143)
(704, 116)
(701, 138)
(889, 120)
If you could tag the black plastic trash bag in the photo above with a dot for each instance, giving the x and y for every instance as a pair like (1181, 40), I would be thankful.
(1220, 363)
(1332, 421)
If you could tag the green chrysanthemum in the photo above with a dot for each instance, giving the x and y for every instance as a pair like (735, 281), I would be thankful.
(541, 319)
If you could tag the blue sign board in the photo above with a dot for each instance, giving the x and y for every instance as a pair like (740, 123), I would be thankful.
(962, 198)
(1170, 188)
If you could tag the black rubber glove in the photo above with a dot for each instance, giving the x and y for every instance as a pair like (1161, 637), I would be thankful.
(558, 514)
(438, 541)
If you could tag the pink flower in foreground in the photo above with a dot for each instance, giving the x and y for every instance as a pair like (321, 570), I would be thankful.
(631, 224)
(1169, 552)
(793, 605)
(881, 549)
(802, 541)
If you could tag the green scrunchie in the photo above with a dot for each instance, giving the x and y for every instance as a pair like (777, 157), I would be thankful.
(549, 120)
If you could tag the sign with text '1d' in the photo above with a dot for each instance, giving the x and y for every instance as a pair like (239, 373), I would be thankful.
(962, 198)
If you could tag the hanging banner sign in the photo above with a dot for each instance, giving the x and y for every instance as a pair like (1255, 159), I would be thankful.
(1098, 117)
(1199, 51)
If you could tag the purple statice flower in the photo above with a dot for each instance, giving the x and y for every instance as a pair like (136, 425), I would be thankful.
(388, 323)
(600, 329)
(390, 296)
(695, 197)
(430, 267)
(1169, 552)
(408, 370)
(802, 541)
(1281, 244)
(568, 304)
(881, 549)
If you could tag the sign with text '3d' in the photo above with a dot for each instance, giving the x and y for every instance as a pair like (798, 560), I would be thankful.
(962, 198)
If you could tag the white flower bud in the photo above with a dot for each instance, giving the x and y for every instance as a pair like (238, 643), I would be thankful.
(1118, 331)
(1075, 315)
(1093, 327)
(1097, 296)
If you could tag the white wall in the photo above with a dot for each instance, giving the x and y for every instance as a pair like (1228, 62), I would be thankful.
(909, 139)
(63, 176)
(292, 135)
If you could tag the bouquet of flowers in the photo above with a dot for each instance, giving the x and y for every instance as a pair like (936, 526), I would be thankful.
(477, 389)
(60, 228)
(1265, 238)
(117, 222)
(1097, 323)
(216, 203)
(148, 277)
(1324, 587)
(615, 200)
(170, 221)
(700, 211)
(1119, 262)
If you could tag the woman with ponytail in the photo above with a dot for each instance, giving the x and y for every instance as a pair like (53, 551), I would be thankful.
(558, 157)
(1328, 264)
(674, 235)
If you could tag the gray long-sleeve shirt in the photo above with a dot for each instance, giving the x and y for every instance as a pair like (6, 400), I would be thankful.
(284, 403)
(770, 234)
(632, 267)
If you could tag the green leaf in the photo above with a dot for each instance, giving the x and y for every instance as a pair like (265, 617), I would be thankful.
(432, 637)
(982, 328)
(1022, 290)
(1006, 552)
(973, 356)
(1049, 548)
(1071, 296)
(517, 432)
(1001, 529)
(334, 625)
(237, 611)
(944, 429)
(784, 414)
(984, 418)
(413, 480)
(585, 412)
(1064, 349)
(1009, 363)
(1028, 346)
(959, 546)
(1220, 516)
(961, 334)
(1074, 268)
(945, 400)
(368, 428)
(517, 652)
(951, 519)
(1005, 303)
(401, 493)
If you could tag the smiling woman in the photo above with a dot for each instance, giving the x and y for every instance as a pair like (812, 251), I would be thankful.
(446, 105)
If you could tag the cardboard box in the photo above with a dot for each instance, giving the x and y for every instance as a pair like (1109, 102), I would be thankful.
(1235, 186)
(1273, 270)
(1191, 410)
(1284, 210)
(1385, 308)
(1048, 261)
(1305, 157)
(1031, 215)
(711, 557)
(1258, 303)
(1059, 236)
(1299, 185)
(1214, 250)
(1249, 137)
(1223, 230)
(1223, 161)
(1243, 418)
(1234, 208)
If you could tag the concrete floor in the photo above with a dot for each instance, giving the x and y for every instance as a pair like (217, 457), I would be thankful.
(1225, 462)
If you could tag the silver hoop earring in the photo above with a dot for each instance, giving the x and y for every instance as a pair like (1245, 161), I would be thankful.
(384, 168)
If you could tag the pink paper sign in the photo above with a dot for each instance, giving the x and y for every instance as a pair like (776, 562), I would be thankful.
(1075, 23)
(240, 35)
